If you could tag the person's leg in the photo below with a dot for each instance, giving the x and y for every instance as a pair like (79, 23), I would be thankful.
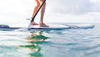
(41, 23)
(34, 11)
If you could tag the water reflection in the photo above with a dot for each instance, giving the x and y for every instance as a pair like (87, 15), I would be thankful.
(35, 41)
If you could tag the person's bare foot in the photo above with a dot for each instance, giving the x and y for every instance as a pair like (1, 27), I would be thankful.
(43, 25)
(33, 23)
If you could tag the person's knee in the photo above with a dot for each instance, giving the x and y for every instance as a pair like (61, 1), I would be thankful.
(41, 1)
(37, 3)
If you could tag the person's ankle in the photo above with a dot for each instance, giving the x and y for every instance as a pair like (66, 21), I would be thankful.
(33, 23)
(41, 23)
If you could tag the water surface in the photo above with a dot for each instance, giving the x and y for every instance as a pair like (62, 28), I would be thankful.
(51, 43)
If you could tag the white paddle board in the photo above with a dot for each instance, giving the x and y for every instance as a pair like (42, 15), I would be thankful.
(53, 26)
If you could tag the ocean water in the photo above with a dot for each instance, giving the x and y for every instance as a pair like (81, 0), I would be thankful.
(51, 43)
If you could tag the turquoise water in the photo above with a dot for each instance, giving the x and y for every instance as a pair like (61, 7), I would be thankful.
(51, 43)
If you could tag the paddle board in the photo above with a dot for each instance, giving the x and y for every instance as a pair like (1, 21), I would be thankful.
(52, 26)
